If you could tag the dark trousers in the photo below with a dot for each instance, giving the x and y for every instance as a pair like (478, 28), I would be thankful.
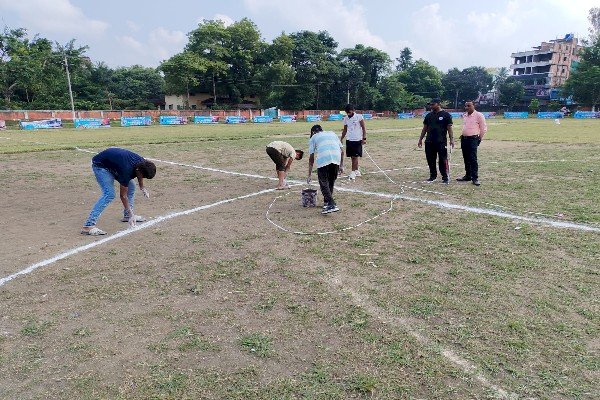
(433, 150)
(469, 144)
(327, 176)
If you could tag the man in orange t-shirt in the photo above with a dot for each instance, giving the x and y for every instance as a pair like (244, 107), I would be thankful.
(473, 130)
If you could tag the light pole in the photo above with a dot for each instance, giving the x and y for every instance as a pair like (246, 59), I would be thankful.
(70, 91)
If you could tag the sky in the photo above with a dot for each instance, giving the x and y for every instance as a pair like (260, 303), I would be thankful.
(448, 34)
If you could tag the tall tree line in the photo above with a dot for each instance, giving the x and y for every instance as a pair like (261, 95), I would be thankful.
(300, 70)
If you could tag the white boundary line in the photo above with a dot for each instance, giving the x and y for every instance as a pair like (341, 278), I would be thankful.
(436, 203)
(123, 233)
(406, 323)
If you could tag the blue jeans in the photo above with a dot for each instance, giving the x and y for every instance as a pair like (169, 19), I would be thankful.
(106, 181)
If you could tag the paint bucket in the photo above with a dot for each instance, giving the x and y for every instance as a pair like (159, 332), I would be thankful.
(309, 198)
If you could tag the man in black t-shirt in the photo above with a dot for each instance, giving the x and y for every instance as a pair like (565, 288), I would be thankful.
(436, 125)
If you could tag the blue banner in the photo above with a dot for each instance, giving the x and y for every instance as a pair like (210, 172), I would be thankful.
(136, 121)
(313, 118)
(586, 114)
(172, 120)
(262, 119)
(551, 114)
(235, 120)
(368, 116)
(516, 115)
(335, 117)
(405, 115)
(91, 123)
(455, 114)
(205, 119)
(488, 115)
(287, 118)
(41, 124)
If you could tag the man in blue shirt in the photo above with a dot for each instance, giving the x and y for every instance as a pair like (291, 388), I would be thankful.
(120, 165)
(328, 150)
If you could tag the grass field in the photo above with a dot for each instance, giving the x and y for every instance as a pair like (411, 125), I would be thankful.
(457, 293)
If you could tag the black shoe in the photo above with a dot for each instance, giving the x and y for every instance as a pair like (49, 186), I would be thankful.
(464, 179)
(476, 182)
(431, 179)
(445, 181)
(330, 208)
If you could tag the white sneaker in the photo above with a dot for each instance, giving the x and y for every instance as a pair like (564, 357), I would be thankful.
(352, 175)
(357, 173)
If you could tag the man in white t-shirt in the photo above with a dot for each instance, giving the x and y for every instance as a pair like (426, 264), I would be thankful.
(356, 135)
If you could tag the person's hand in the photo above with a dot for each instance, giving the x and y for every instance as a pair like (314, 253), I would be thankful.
(478, 140)
(146, 193)
(341, 170)
(132, 221)
(364, 141)
(452, 144)
(420, 144)
(308, 179)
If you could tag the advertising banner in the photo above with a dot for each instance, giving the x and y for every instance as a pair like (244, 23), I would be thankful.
(586, 114)
(172, 120)
(405, 115)
(335, 117)
(136, 121)
(205, 119)
(313, 118)
(516, 115)
(262, 119)
(550, 115)
(368, 116)
(488, 115)
(235, 120)
(41, 124)
(287, 118)
(91, 123)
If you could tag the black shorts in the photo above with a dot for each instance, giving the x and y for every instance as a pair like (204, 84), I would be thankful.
(353, 148)
(277, 158)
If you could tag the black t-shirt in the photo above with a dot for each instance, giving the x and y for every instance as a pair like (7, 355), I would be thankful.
(119, 162)
(437, 126)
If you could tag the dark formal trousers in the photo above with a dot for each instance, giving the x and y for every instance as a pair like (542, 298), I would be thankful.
(433, 151)
(327, 176)
(468, 145)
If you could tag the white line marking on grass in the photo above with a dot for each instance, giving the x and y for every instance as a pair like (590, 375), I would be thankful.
(477, 210)
(123, 233)
(437, 203)
(409, 326)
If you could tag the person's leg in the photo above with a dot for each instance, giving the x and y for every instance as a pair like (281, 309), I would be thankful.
(465, 148)
(473, 160)
(443, 160)
(333, 173)
(130, 198)
(354, 163)
(323, 174)
(431, 155)
(281, 177)
(106, 182)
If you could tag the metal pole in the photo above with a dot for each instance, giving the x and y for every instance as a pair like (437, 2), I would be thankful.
(70, 91)
(456, 100)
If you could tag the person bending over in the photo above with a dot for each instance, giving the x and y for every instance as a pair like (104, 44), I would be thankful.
(123, 166)
(283, 154)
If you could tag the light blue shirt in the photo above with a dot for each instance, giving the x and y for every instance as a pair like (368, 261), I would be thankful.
(328, 148)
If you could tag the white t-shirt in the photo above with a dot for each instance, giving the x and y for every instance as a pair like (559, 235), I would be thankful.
(354, 132)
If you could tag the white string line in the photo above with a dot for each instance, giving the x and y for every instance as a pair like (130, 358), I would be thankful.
(123, 233)
(465, 365)
(321, 233)
(440, 204)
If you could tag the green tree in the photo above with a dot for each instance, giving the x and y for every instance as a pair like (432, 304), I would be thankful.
(500, 78)
(405, 60)
(534, 106)
(137, 87)
(465, 85)
(584, 81)
(182, 73)
(394, 96)
(422, 78)
(511, 93)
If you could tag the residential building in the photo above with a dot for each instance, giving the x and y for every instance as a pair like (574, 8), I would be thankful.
(545, 69)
